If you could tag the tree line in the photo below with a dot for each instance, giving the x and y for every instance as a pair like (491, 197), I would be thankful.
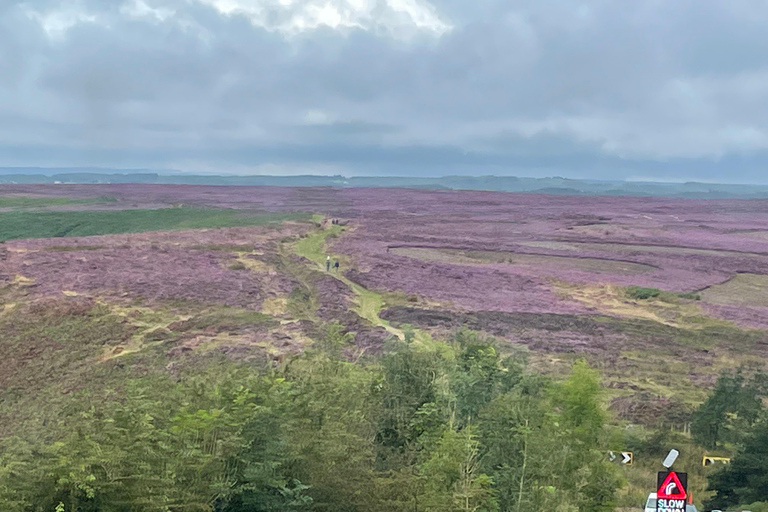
(734, 417)
(450, 427)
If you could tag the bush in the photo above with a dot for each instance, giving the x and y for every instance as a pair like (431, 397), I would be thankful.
(760, 506)
(238, 265)
(639, 293)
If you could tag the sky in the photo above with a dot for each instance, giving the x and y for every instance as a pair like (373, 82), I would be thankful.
(649, 90)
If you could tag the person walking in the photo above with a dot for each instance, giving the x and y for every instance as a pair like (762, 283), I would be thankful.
(336, 266)
(328, 264)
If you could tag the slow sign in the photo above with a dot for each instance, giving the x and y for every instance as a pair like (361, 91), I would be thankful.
(671, 491)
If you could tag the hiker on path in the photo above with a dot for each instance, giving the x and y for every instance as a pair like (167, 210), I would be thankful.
(336, 266)
(328, 264)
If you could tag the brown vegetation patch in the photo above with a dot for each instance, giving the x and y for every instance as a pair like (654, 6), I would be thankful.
(741, 290)
(470, 257)
(633, 248)
(548, 333)
(613, 300)
(335, 303)
(644, 408)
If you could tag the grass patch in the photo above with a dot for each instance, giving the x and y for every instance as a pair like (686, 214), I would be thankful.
(31, 224)
(44, 202)
(312, 246)
(369, 303)
(302, 302)
(639, 293)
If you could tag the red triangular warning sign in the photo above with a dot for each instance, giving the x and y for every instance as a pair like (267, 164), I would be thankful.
(671, 488)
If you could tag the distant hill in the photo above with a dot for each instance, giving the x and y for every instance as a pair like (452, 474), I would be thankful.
(556, 185)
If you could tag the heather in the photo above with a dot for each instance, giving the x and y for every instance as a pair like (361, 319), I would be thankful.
(210, 310)
(151, 266)
(46, 202)
(684, 246)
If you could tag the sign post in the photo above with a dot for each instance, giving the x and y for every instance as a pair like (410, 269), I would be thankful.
(671, 491)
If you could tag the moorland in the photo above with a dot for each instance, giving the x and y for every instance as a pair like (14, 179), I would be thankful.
(175, 347)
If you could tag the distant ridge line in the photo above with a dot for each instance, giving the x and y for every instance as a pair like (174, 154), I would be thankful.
(552, 186)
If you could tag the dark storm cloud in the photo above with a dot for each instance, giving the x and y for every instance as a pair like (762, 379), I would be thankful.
(590, 89)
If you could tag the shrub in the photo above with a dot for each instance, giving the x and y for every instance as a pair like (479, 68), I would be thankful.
(760, 506)
(640, 293)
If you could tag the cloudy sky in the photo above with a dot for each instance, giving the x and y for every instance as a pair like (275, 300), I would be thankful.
(653, 89)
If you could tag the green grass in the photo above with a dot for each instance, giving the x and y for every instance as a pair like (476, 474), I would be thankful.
(639, 293)
(312, 246)
(44, 202)
(34, 224)
(369, 303)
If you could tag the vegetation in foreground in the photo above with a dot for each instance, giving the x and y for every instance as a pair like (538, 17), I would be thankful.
(456, 430)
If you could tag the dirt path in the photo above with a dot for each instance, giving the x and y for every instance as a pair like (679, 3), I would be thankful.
(369, 303)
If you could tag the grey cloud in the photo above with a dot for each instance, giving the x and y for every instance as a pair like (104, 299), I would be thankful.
(590, 89)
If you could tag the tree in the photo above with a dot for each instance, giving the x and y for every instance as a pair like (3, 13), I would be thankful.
(579, 401)
(413, 404)
(510, 431)
(745, 479)
(480, 374)
(582, 418)
(733, 407)
(329, 428)
(454, 482)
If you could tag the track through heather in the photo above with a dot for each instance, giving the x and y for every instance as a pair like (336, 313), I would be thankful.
(369, 303)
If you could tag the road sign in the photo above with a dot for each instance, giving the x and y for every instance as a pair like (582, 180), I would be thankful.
(623, 458)
(671, 458)
(671, 491)
(709, 461)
